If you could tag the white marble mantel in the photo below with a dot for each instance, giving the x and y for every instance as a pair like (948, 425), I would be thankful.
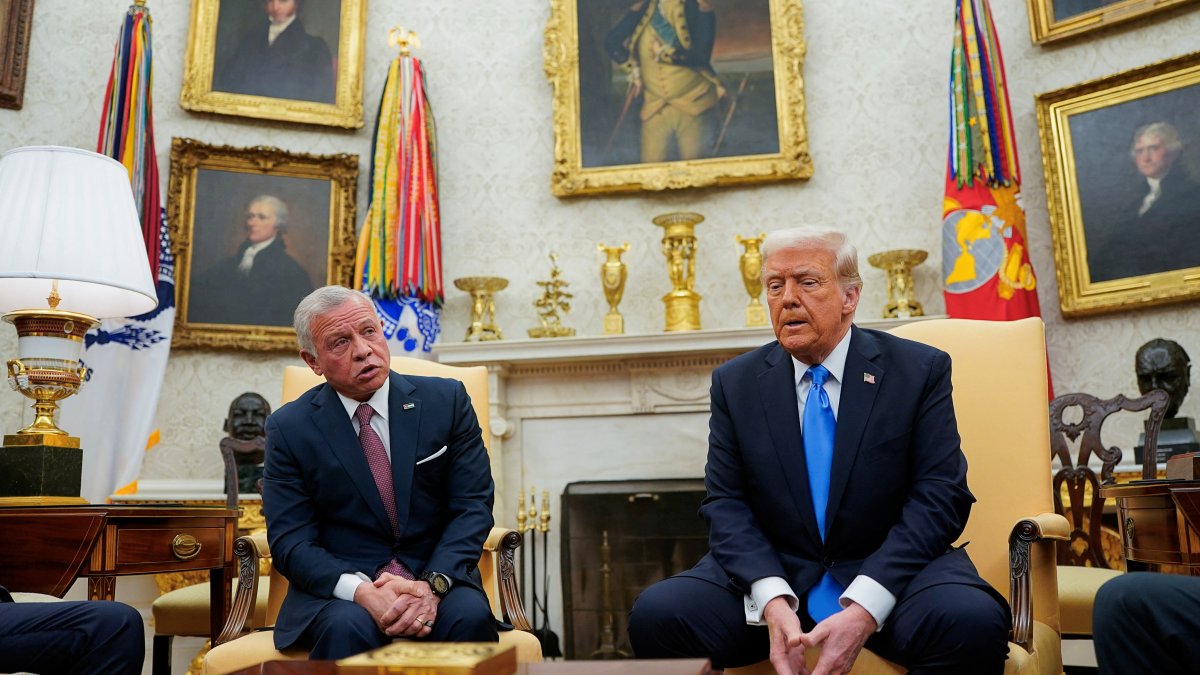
(614, 407)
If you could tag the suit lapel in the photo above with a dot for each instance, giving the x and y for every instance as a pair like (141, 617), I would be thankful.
(334, 424)
(404, 425)
(777, 388)
(861, 381)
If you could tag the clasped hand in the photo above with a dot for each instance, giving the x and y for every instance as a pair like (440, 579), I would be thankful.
(841, 637)
(400, 607)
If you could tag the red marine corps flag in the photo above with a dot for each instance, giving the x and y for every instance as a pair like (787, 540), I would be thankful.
(985, 252)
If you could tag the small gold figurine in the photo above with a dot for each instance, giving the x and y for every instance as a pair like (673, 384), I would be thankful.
(483, 306)
(751, 264)
(554, 300)
(612, 278)
(899, 264)
(679, 247)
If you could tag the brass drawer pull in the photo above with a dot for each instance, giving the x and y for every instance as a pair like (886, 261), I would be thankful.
(185, 546)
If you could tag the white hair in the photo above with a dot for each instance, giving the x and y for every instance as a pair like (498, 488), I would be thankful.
(318, 302)
(824, 238)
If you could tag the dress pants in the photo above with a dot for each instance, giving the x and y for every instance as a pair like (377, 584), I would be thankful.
(947, 628)
(1145, 622)
(72, 638)
(343, 628)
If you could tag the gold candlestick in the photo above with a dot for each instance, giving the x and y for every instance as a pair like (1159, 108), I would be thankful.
(612, 278)
(483, 306)
(898, 264)
(679, 247)
(751, 264)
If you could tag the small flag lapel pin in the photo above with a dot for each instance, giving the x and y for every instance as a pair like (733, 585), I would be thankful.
(868, 378)
(410, 406)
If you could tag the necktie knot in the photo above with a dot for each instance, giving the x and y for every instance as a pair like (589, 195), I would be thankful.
(363, 414)
(818, 374)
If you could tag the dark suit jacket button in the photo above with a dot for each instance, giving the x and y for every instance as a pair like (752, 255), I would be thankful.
(827, 563)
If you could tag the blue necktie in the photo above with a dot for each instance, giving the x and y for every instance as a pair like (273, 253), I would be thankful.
(818, 453)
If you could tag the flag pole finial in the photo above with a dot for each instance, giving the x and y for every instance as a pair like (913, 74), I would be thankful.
(406, 41)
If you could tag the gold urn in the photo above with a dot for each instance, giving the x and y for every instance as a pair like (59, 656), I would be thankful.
(679, 246)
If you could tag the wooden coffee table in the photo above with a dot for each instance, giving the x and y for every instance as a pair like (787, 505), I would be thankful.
(621, 667)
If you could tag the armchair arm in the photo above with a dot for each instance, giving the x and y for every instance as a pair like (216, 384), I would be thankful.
(249, 550)
(1044, 527)
(503, 544)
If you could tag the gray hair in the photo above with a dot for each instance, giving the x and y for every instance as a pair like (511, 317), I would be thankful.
(317, 303)
(281, 210)
(1164, 132)
(828, 239)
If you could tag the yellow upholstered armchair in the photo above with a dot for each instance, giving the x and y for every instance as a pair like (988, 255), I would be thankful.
(235, 650)
(1000, 399)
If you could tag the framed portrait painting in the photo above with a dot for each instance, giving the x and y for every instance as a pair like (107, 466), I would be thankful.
(1052, 20)
(254, 230)
(289, 60)
(665, 94)
(16, 18)
(1122, 160)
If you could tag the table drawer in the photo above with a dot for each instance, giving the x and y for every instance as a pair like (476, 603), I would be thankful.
(169, 548)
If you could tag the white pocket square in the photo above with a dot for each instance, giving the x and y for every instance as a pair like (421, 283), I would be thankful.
(433, 456)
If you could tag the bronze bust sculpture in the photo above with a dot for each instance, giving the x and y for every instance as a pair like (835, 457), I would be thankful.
(245, 445)
(1163, 364)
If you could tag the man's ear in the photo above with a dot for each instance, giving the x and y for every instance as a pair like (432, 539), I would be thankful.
(850, 299)
(312, 362)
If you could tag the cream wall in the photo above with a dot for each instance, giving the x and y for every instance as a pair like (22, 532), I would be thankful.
(876, 86)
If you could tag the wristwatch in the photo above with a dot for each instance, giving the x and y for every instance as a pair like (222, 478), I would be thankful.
(439, 583)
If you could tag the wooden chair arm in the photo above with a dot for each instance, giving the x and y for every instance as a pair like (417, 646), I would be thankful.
(504, 542)
(1043, 528)
(249, 550)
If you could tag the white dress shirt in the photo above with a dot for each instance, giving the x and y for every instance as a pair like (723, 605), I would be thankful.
(276, 28)
(864, 590)
(1151, 196)
(348, 583)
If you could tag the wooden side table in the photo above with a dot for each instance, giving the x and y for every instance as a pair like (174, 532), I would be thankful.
(48, 547)
(1160, 523)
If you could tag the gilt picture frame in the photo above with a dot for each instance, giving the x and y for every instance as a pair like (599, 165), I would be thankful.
(1054, 20)
(717, 99)
(253, 231)
(306, 67)
(16, 22)
(1122, 164)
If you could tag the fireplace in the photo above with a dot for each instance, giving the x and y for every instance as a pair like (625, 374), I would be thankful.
(618, 538)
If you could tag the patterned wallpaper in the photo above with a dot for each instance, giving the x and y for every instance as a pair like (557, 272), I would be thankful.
(875, 81)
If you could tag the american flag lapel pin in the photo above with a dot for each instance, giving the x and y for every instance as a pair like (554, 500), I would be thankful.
(868, 378)
(410, 406)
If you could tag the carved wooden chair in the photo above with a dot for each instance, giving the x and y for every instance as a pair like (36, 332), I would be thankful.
(1000, 401)
(235, 649)
(1084, 563)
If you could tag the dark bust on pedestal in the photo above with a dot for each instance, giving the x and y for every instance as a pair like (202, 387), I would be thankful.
(1162, 364)
(245, 446)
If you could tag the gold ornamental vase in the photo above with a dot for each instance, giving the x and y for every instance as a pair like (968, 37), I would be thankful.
(612, 278)
(679, 246)
(483, 306)
(899, 265)
(750, 265)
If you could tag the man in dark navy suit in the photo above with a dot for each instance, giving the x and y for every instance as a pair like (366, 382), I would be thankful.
(377, 494)
(836, 486)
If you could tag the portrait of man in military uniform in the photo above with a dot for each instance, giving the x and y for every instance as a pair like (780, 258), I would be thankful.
(675, 80)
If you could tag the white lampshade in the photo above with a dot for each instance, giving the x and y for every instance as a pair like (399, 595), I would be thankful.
(68, 215)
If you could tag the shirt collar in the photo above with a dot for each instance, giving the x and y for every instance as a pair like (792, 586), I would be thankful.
(835, 363)
(378, 401)
(260, 245)
(1155, 183)
(277, 28)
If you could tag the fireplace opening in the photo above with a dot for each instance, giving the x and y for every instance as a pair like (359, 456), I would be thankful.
(618, 538)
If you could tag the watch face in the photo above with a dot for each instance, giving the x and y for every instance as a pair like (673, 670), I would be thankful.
(439, 583)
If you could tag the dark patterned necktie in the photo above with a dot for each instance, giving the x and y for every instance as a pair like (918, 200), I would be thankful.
(381, 470)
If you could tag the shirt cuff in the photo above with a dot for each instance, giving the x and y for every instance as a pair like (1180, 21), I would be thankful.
(763, 591)
(872, 596)
(347, 584)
